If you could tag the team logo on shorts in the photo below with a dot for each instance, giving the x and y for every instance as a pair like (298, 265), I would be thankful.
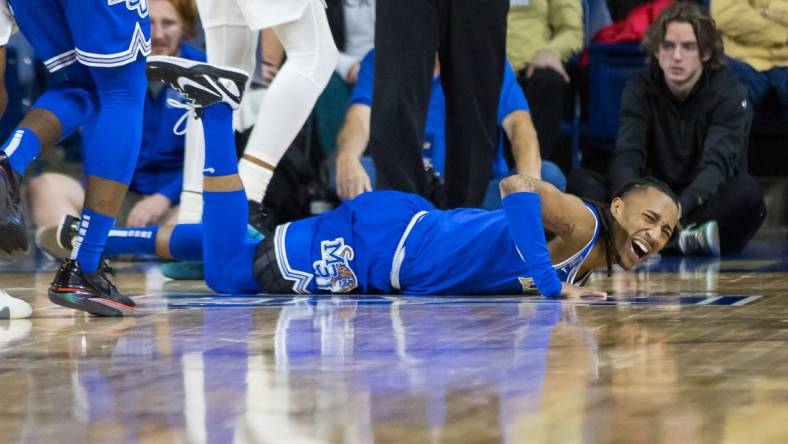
(528, 285)
(333, 272)
(141, 6)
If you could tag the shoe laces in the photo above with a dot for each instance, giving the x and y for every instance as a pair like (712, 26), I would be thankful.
(106, 268)
(179, 128)
(101, 279)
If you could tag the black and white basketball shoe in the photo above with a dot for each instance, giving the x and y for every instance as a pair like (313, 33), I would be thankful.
(202, 84)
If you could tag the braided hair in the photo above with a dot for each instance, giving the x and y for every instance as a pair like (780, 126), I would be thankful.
(606, 217)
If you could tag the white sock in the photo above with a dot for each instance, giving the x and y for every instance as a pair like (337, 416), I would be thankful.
(255, 179)
(190, 209)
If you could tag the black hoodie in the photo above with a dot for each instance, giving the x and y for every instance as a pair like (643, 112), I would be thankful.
(694, 145)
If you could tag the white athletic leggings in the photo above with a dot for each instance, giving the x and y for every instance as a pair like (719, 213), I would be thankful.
(311, 58)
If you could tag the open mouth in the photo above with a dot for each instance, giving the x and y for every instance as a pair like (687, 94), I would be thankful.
(640, 248)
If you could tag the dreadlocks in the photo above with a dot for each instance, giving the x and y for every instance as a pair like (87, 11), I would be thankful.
(606, 217)
(606, 220)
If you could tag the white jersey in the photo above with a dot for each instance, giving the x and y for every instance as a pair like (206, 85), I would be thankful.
(256, 14)
(7, 25)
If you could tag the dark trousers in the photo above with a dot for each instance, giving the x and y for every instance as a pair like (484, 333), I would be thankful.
(546, 92)
(738, 207)
(470, 37)
(759, 83)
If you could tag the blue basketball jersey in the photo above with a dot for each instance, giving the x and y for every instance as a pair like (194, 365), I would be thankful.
(470, 251)
(388, 241)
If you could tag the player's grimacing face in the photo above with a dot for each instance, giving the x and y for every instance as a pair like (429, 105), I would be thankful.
(166, 28)
(648, 217)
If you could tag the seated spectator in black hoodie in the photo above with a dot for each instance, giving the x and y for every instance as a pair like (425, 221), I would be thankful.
(685, 120)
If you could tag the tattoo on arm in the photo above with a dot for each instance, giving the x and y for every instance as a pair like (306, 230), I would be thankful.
(516, 184)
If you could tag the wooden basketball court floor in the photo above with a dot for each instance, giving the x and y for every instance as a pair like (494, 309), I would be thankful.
(686, 350)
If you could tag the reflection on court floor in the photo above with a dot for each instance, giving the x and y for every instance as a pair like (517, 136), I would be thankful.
(682, 351)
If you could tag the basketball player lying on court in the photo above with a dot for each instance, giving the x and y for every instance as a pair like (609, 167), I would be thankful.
(392, 242)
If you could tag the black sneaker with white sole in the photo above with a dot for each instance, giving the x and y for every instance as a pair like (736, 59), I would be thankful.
(200, 83)
(13, 231)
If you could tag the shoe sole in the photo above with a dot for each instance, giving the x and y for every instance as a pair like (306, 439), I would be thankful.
(167, 69)
(94, 306)
(13, 240)
(183, 65)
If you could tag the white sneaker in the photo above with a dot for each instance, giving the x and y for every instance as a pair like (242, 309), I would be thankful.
(13, 308)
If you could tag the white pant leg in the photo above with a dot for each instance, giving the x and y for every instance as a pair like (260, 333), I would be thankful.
(311, 58)
(262, 14)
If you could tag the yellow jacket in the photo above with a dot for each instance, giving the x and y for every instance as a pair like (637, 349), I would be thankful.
(754, 31)
(556, 25)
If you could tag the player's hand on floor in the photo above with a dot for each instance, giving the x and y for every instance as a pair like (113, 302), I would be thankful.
(148, 211)
(352, 179)
(569, 291)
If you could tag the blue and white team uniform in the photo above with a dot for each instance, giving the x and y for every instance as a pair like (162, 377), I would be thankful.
(100, 33)
(101, 47)
(387, 241)
(379, 242)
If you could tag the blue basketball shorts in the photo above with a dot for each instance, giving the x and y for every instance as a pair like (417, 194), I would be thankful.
(97, 33)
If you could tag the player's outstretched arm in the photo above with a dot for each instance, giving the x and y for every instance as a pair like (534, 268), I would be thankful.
(524, 201)
(521, 205)
(562, 213)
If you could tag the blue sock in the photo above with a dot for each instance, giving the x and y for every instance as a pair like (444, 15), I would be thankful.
(220, 159)
(186, 242)
(22, 148)
(137, 240)
(91, 238)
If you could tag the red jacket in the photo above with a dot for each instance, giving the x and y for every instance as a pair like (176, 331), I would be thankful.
(634, 26)
(631, 29)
